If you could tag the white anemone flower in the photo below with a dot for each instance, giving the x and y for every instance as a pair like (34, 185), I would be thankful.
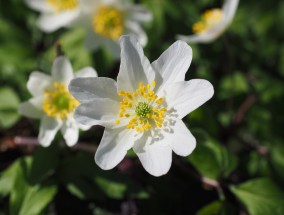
(143, 110)
(55, 14)
(213, 23)
(107, 20)
(53, 104)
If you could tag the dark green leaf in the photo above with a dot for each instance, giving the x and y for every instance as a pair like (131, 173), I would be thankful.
(212, 159)
(260, 196)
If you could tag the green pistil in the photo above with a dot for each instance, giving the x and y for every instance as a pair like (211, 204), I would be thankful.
(142, 109)
(61, 102)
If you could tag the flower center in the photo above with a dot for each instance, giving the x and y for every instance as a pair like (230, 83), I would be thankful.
(143, 108)
(58, 102)
(61, 5)
(209, 19)
(108, 22)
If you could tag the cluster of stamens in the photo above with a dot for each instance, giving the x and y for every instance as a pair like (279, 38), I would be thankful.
(61, 5)
(108, 22)
(143, 108)
(58, 102)
(209, 19)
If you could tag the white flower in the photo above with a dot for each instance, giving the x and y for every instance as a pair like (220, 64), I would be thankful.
(53, 104)
(144, 108)
(107, 20)
(55, 14)
(213, 23)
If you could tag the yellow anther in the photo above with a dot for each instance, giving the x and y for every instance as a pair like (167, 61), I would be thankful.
(154, 83)
(58, 102)
(117, 122)
(109, 22)
(209, 19)
(63, 5)
(143, 108)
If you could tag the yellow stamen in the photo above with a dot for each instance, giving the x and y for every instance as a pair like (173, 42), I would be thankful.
(109, 22)
(209, 19)
(62, 5)
(58, 102)
(144, 109)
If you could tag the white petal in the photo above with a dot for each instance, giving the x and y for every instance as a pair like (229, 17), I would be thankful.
(32, 108)
(50, 22)
(205, 37)
(86, 72)
(229, 10)
(134, 29)
(155, 157)
(70, 132)
(37, 83)
(39, 5)
(172, 64)
(84, 127)
(186, 96)
(183, 142)
(87, 89)
(48, 129)
(139, 13)
(134, 67)
(114, 146)
(62, 70)
(98, 112)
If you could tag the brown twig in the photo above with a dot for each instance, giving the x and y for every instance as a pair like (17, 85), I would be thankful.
(245, 106)
(32, 141)
(58, 48)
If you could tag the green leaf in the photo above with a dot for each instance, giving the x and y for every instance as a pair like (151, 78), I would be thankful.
(73, 48)
(36, 199)
(212, 159)
(7, 179)
(111, 188)
(277, 159)
(25, 198)
(260, 196)
(44, 163)
(211, 209)
(8, 107)
(233, 85)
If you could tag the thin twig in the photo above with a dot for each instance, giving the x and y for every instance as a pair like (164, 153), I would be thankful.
(245, 106)
(32, 141)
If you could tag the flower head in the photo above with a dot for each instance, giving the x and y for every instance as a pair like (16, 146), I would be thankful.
(143, 110)
(107, 20)
(52, 102)
(212, 24)
(55, 13)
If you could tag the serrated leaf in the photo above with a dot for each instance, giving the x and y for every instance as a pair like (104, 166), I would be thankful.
(260, 196)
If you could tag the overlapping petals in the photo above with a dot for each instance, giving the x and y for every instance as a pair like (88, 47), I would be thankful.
(153, 143)
(38, 85)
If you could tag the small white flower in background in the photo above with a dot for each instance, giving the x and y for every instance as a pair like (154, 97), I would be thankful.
(107, 20)
(55, 14)
(213, 23)
(144, 109)
(53, 104)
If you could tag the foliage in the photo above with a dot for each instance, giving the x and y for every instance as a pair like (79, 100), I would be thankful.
(237, 167)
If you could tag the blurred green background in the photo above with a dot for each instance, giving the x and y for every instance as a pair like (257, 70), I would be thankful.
(238, 165)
